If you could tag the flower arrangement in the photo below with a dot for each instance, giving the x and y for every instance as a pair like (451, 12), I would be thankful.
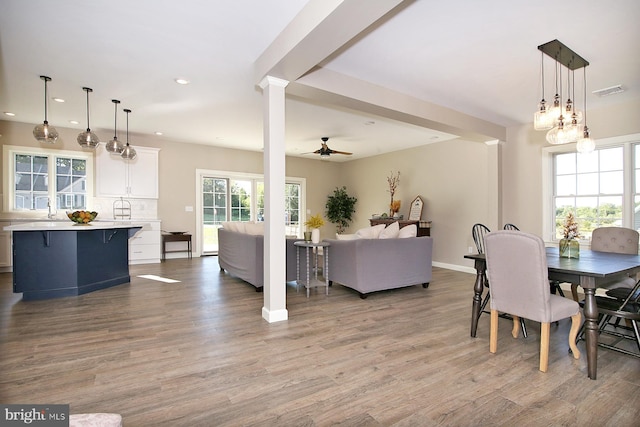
(315, 221)
(571, 227)
(393, 180)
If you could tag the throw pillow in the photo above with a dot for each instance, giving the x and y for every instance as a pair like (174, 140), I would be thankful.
(408, 231)
(347, 236)
(230, 226)
(391, 232)
(370, 232)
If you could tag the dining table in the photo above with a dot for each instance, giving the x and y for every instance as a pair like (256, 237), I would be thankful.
(590, 270)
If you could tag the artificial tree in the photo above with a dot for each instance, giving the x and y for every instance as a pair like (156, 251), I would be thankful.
(340, 208)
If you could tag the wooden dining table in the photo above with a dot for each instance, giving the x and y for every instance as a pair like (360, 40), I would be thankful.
(590, 271)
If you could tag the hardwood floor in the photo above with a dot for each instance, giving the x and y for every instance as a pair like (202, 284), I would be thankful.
(198, 353)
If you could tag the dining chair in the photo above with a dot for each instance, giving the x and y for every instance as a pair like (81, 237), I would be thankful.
(509, 226)
(621, 304)
(478, 232)
(518, 273)
(619, 240)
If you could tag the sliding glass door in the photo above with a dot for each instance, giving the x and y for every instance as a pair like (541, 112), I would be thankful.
(231, 198)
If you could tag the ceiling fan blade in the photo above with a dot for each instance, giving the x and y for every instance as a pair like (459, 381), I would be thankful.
(340, 152)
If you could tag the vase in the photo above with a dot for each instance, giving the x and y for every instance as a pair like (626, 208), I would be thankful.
(315, 235)
(569, 248)
(307, 236)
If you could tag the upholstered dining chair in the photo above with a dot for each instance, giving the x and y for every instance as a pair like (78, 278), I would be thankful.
(518, 273)
(619, 240)
(478, 231)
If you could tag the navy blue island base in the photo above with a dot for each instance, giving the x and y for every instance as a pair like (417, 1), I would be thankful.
(61, 263)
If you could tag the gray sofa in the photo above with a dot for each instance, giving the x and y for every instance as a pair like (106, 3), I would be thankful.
(242, 255)
(370, 265)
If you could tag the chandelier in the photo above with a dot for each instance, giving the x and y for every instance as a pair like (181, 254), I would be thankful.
(563, 122)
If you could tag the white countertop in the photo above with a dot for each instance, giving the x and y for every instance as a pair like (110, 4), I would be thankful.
(71, 226)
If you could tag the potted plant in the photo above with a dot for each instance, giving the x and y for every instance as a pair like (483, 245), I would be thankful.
(340, 208)
(314, 223)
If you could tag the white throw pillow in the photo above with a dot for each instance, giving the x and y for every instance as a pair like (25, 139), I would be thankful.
(347, 236)
(391, 232)
(370, 232)
(255, 229)
(408, 231)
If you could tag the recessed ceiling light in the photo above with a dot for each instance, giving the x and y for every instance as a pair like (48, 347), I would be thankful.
(74, 122)
(182, 81)
(158, 133)
(9, 113)
(58, 99)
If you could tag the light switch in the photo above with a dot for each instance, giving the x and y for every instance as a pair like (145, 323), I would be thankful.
(188, 208)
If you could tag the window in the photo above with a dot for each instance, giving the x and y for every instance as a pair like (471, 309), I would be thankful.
(35, 178)
(601, 189)
(591, 187)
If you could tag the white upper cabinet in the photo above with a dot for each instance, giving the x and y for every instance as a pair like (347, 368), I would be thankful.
(137, 178)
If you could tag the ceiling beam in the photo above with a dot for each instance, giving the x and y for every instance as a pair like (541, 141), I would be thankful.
(320, 29)
(345, 91)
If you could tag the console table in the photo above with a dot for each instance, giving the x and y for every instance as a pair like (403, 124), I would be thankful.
(166, 238)
(422, 231)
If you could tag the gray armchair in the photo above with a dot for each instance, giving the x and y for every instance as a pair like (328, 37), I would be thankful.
(518, 274)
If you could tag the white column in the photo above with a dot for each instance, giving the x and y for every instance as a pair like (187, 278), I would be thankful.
(273, 93)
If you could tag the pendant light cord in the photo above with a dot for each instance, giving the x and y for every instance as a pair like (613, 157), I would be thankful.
(88, 126)
(45, 97)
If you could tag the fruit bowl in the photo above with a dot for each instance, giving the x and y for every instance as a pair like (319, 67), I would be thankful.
(82, 217)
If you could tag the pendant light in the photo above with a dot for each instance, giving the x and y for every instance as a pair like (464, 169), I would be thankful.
(88, 139)
(585, 144)
(44, 132)
(114, 146)
(129, 153)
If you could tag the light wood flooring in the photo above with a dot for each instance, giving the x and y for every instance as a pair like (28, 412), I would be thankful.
(198, 353)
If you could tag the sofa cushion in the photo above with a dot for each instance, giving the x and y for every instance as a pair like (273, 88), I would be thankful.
(391, 231)
(347, 236)
(254, 228)
(408, 231)
(370, 232)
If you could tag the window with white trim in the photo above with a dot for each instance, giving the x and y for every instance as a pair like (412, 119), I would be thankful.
(36, 178)
(601, 189)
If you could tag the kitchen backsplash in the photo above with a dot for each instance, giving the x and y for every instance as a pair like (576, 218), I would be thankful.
(140, 208)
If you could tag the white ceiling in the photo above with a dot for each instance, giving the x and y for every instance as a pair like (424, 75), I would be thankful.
(477, 58)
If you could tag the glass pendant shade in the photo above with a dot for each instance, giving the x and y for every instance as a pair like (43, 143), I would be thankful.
(115, 146)
(45, 132)
(88, 139)
(542, 119)
(129, 153)
(586, 145)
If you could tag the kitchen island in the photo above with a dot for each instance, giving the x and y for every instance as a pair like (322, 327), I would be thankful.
(59, 259)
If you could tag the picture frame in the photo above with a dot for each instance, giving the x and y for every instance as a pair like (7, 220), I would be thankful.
(415, 212)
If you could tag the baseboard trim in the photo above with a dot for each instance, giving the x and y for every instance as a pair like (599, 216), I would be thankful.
(455, 267)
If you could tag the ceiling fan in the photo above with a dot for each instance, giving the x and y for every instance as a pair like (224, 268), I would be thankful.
(325, 151)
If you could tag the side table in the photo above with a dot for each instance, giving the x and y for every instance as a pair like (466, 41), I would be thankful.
(166, 238)
(325, 271)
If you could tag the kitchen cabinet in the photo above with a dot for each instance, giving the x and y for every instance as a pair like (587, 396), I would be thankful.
(145, 246)
(137, 178)
(6, 257)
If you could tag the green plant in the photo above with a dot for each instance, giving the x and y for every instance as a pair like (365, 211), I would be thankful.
(315, 221)
(340, 208)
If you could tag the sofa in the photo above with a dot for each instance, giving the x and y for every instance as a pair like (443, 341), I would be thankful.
(371, 264)
(241, 254)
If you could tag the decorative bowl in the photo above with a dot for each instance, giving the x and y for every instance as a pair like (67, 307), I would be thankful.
(82, 217)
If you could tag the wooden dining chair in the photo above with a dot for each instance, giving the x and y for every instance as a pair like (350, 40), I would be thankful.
(518, 273)
(478, 232)
(619, 240)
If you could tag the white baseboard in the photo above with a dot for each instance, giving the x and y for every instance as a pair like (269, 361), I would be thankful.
(455, 267)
